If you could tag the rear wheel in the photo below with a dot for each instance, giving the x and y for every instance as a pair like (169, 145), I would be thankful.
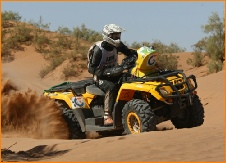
(193, 116)
(138, 117)
(74, 128)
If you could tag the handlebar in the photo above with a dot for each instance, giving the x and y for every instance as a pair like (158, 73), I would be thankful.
(128, 62)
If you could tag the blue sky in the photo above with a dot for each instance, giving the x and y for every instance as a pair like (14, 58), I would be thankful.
(169, 22)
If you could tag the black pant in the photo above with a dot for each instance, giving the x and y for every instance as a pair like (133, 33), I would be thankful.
(111, 92)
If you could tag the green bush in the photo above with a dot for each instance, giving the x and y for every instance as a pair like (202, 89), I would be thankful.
(72, 55)
(14, 38)
(83, 51)
(167, 61)
(9, 16)
(54, 50)
(22, 33)
(45, 71)
(159, 46)
(64, 42)
(6, 53)
(215, 66)
(54, 62)
(197, 60)
(86, 34)
(167, 49)
(12, 43)
(70, 71)
(41, 42)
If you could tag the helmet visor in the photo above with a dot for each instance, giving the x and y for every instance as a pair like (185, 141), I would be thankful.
(115, 36)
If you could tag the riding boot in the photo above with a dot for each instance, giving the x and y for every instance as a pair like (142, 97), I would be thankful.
(108, 121)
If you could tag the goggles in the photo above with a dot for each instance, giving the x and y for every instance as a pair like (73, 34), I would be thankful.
(115, 36)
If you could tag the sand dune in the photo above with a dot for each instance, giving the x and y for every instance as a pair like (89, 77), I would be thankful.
(204, 143)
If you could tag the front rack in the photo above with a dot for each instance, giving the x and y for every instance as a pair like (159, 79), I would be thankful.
(163, 77)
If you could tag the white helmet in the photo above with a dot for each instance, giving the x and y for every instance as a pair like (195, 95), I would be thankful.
(112, 34)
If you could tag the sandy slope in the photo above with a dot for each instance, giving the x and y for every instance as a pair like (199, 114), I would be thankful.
(204, 143)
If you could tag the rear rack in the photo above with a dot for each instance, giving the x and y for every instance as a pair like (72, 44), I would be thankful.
(78, 87)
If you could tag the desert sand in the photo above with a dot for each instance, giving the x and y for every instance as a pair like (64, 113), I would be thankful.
(203, 143)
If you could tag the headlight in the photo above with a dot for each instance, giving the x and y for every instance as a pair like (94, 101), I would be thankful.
(191, 84)
(163, 91)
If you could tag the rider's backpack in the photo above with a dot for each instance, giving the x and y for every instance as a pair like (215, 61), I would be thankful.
(90, 55)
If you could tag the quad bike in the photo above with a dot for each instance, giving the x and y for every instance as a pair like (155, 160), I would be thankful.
(146, 97)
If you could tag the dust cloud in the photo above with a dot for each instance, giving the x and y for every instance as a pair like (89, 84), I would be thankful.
(26, 114)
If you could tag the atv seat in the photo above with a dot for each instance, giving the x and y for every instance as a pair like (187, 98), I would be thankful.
(78, 87)
(93, 89)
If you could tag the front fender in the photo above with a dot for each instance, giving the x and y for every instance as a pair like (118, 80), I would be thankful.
(127, 90)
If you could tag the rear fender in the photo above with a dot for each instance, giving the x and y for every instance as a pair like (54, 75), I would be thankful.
(65, 96)
(72, 101)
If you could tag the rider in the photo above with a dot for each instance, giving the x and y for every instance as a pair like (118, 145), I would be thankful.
(105, 57)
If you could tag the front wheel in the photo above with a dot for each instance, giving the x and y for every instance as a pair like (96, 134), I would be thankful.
(138, 117)
(192, 116)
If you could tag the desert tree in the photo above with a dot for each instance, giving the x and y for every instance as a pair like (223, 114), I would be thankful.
(197, 59)
(213, 44)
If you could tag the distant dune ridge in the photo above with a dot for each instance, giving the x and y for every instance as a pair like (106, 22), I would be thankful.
(38, 136)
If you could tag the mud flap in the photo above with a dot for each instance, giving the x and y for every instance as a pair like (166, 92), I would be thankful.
(81, 118)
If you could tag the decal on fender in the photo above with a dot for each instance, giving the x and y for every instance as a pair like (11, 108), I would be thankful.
(77, 102)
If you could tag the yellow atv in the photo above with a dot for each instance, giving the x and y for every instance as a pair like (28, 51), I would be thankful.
(146, 97)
